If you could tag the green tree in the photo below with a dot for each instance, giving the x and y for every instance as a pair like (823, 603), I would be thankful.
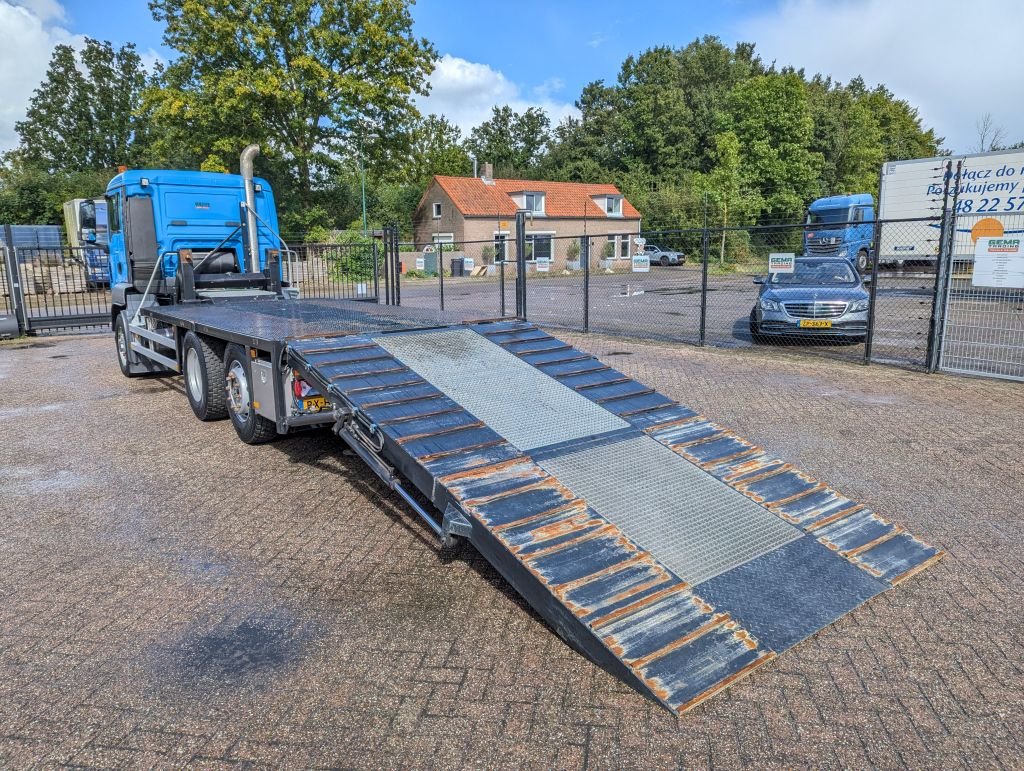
(514, 143)
(435, 147)
(771, 118)
(315, 82)
(84, 114)
(847, 134)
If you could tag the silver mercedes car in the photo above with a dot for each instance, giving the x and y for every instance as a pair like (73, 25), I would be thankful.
(822, 297)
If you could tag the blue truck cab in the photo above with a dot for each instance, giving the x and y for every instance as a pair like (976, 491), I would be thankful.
(841, 226)
(156, 218)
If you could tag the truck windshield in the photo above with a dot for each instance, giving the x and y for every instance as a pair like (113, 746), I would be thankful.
(828, 216)
(817, 273)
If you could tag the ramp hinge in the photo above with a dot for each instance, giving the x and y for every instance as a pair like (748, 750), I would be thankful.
(454, 525)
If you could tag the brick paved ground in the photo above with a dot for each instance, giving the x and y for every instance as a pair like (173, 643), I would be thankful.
(168, 594)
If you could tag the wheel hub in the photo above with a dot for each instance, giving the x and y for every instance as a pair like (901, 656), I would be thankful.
(194, 375)
(238, 390)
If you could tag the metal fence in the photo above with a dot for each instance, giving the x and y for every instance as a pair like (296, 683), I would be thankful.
(346, 271)
(703, 286)
(57, 288)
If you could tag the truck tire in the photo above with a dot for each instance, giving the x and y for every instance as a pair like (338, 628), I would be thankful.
(250, 427)
(863, 261)
(203, 370)
(121, 339)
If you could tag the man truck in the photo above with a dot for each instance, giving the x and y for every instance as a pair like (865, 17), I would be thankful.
(663, 547)
(841, 226)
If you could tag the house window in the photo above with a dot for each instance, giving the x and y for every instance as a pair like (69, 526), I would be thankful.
(534, 202)
(541, 251)
(500, 250)
(613, 206)
(437, 210)
(624, 247)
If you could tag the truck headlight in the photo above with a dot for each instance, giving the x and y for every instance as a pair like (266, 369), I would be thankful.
(858, 306)
(843, 252)
(769, 305)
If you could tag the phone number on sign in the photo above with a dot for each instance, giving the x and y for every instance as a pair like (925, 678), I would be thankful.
(990, 205)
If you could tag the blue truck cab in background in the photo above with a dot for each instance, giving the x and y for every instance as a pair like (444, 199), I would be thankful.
(155, 214)
(842, 226)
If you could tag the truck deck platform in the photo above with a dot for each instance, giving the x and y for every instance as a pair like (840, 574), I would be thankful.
(667, 549)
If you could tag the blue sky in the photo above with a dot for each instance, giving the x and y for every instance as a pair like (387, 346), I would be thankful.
(547, 51)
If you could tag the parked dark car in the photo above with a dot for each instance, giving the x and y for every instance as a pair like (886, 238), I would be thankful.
(822, 297)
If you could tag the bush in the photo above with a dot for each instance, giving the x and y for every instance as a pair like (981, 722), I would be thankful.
(572, 251)
(487, 254)
(352, 259)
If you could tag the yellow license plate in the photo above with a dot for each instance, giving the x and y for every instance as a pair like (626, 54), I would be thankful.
(313, 403)
(816, 323)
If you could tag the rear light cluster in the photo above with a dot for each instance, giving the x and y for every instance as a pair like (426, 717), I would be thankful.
(300, 388)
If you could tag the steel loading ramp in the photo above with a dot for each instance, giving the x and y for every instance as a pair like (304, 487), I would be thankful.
(670, 551)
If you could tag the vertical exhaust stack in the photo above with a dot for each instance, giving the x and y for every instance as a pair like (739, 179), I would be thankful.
(252, 236)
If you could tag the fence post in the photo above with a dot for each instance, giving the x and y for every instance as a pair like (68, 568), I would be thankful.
(501, 285)
(14, 289)
(705, 244)
(869, 336)
(440, 270)
(376, 271)
(943, 264)
(521, 264)
(585, 253)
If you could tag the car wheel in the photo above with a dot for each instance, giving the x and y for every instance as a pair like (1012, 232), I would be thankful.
(664, 261)
(863, 261)
(204, 377)
(250, 427)
(755, 333)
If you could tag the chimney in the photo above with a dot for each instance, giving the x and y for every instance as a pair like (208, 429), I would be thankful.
(488, 171)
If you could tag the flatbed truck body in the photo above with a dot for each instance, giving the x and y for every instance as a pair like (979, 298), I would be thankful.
(667, 549)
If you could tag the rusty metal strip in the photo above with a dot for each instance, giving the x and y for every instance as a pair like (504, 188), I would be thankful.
(367, 373)
(368, 389)
(418, 416)
(459, 450)
(546, 481)
(674, 423)
(630, 395)
(608, 529)
(575, 503)
(560, 589)
(848, 511)
(918, 568)
(440, 432)
(797, 496)
(714, 623)
(653, 408)
(404, 400)
(639, 604)
(896, 530)
(482, 471)
(613, 381)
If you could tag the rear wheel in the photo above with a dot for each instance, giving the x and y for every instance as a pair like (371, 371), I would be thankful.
(121, 340)
(204, 377)
(664, 261)
(250, 427)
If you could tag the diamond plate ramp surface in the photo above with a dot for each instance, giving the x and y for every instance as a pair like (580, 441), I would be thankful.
(695, 524)
(526, 407)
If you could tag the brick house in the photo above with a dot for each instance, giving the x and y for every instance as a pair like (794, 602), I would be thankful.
(478, 216)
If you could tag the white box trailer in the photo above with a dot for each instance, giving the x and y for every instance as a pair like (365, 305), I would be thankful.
(990, 199)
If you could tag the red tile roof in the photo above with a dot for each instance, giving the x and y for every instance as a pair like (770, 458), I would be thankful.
(472, 197)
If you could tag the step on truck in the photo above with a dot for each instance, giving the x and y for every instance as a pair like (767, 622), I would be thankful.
(664, 547)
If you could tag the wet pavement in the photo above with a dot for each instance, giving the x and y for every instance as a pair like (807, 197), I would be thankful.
(170, 595)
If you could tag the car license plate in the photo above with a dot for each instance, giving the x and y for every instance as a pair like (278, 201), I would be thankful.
(313, 403)
(816, 323)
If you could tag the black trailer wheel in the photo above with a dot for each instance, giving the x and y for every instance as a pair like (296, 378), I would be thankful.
(250, 427)
(122, 341)
(204, 377)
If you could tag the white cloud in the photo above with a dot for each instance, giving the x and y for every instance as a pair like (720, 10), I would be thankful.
(29, 35)
(955, 61)
(464, 92)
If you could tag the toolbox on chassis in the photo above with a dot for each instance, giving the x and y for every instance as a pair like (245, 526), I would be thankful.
(668, 550)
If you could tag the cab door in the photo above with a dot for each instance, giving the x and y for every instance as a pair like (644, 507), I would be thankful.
(115, 232)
